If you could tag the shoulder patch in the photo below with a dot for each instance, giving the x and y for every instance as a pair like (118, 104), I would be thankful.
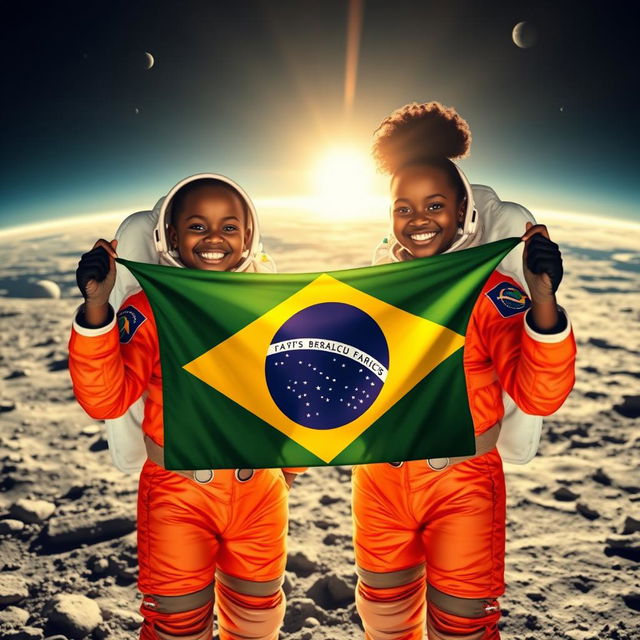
(130, 320)
(508, 299)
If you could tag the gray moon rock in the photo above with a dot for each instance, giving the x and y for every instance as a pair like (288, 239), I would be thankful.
(47, 289)
(29, 288)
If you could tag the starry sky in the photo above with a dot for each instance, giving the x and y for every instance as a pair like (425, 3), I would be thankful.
(255, 90)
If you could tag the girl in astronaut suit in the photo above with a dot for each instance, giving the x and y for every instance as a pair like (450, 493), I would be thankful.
(194, 527)
(429, 535)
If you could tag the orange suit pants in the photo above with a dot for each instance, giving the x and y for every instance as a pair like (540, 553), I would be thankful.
(452, 520)
(187, 531)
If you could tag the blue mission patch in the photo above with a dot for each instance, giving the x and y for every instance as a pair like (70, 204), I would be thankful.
(130, 320)
(508, 299)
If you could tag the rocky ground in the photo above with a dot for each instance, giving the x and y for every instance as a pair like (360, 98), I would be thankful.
(67, 516)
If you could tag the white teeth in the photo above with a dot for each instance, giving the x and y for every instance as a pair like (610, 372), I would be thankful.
(212, 255)
(423, 236)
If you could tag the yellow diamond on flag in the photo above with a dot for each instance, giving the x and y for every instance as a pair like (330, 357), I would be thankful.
(237, 366)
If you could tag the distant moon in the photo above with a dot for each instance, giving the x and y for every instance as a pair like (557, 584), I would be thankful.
(150, 61)
(524, 35)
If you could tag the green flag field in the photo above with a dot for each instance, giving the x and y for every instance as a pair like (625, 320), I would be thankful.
(345, 367)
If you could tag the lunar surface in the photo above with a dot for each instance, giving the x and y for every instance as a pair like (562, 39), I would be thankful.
(67, 516)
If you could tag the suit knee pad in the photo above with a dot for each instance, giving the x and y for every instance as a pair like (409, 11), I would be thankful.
(248, 617)
(392, 613)
(196, 624)
(189, 617)
(454, 618)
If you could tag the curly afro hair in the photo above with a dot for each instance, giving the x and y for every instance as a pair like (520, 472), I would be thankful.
(419, 133)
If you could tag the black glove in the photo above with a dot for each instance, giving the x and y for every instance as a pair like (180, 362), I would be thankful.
(543, 256)
(93, 265)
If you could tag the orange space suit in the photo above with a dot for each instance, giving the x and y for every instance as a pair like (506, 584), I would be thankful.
(445, 519)
(223, 526)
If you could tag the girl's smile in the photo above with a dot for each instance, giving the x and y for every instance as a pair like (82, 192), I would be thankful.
(210, 231)
(426, 210)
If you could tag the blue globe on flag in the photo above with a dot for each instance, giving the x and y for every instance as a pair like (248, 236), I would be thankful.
(326, 365)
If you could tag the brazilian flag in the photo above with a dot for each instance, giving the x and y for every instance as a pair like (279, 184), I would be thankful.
(344, 367)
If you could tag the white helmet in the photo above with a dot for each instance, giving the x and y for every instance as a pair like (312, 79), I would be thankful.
(469, 234)
(251, 257)
(471, 222)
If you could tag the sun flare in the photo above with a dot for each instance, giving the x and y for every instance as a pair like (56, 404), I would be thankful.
(344, 181)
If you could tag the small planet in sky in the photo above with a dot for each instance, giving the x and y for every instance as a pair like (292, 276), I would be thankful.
(137, 110)
(149, 60)
(524, 35)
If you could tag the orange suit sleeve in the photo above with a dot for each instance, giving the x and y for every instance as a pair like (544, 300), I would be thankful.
(111, 366)
(536, 370)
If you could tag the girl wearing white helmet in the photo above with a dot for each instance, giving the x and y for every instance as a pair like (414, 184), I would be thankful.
(429, 535)
(204, 530)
